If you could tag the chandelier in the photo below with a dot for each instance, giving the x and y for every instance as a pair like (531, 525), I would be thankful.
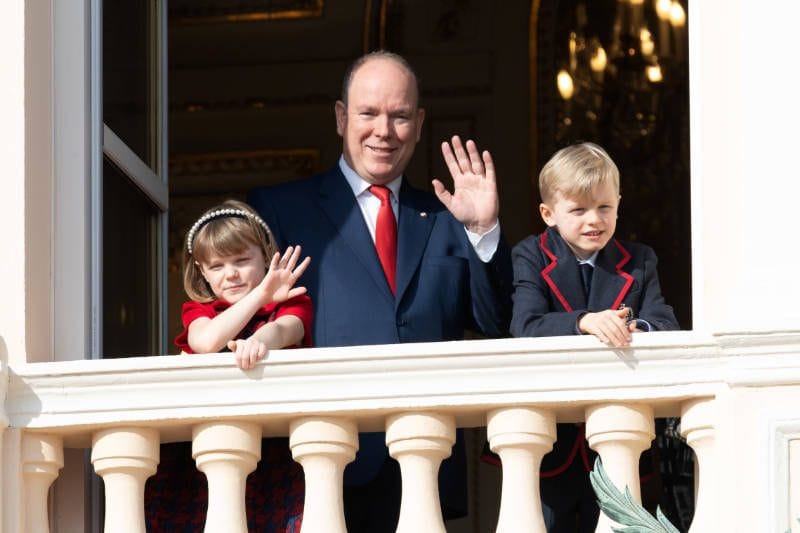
(613, 77)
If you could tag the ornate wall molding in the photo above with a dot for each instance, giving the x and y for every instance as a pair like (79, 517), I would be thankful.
(302, 161)
(210, 11)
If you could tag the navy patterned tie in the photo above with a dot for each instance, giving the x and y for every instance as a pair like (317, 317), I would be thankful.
(587, 270)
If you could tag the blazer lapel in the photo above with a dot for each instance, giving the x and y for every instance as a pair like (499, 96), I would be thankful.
(611, 281)
(562, 274)
(414, 227)
(340, 206)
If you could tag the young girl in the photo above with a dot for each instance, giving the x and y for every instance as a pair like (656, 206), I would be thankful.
(243, 300)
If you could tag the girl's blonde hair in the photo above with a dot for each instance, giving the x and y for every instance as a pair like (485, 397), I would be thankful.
(226, 229)
(576, 170)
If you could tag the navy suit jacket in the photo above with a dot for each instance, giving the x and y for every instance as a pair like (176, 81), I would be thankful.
(442, 287)
(548, 291)
(549, 298)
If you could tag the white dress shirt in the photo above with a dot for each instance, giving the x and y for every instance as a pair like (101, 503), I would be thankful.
(484, 245)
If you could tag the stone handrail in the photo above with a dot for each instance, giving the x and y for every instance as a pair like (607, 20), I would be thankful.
(418, 393)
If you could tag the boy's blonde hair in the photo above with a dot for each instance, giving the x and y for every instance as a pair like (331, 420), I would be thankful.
(225, 229)
(576, 170)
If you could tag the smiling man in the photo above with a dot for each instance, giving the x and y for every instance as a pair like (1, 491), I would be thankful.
(391, 263)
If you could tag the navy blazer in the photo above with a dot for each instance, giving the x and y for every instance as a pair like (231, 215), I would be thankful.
(549, 298)
(442, 287)
(548, 292)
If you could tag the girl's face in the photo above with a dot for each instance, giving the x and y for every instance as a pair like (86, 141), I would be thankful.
(232, 276)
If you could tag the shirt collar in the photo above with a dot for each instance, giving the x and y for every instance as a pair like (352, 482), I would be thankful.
(360, 185)
(592, 259)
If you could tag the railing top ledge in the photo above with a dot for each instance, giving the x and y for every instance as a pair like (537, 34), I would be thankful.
(366, 382)
(656, 345)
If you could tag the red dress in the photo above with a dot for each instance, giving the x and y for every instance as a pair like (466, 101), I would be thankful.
(176, 497)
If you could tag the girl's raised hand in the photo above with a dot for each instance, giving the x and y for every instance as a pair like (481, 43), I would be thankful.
(283, 273)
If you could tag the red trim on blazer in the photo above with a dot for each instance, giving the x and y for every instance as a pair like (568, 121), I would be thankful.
(491, 459)
(626, 256)
(577, 445)
(546, 272)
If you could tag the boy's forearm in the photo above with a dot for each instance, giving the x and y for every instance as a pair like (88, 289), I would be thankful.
(550, 324)
(654, 308)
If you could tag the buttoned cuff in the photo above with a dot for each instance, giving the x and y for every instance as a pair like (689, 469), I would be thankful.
(485, 245)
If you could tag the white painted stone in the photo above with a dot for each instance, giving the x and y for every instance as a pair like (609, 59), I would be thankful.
(419, 442)
(125, 458)
(521, 436)
(324, 446)
(620, 433)
(42, 457)
(226, 452)
(698, 419)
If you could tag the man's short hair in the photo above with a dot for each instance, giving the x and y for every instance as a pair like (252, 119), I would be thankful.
(378, 54)
(576, 170)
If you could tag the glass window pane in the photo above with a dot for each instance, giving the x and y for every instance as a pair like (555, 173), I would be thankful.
(127, 75)
(130, 269)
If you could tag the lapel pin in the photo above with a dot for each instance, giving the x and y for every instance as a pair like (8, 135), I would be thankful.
(423, 214)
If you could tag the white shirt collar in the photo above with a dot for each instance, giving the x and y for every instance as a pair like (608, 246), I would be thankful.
(360, 185)
(592, 259)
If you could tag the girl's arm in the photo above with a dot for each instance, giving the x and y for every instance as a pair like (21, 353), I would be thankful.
(210, 335)
(284, 331)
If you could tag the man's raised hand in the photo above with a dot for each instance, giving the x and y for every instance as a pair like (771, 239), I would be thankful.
(473, 201)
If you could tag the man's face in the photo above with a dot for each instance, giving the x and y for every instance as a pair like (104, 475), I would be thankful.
(381, 122)
(586, 223)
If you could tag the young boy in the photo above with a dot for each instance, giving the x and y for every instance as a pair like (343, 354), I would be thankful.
(575, 278)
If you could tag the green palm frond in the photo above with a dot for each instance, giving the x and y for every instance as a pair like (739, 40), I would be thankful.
(623, 509)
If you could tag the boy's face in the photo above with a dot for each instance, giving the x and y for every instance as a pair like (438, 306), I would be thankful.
(587, 222)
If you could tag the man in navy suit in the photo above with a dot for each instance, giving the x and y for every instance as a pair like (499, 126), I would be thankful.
(452, 270)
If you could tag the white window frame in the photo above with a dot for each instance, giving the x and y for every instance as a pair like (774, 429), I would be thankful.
(81, 140)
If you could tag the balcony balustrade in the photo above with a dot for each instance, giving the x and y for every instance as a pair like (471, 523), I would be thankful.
(418, 394)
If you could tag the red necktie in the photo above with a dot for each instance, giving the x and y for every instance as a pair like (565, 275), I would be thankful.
(386, 234)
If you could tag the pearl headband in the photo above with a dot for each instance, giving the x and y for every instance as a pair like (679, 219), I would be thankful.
(223, 213)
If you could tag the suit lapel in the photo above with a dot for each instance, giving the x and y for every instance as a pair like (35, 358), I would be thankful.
(562, 273)
(338, 203)
(611, 281)
(414, 227)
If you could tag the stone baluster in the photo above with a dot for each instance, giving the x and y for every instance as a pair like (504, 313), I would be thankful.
(226, 452)
(419, 442)
(620, 433)
(521, 437)
(3, 457)
(323, 446)
(125, 458)
(697, 425)
(42, 458)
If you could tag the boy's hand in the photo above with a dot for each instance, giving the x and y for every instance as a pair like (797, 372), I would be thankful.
(610, 326)
(247, 351)
(278, 284)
